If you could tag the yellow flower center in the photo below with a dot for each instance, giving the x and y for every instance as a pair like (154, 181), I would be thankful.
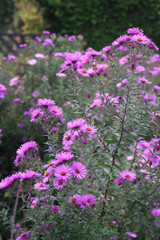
(54, 110)
(41, 185)
(73, 199)
(95, 67)
(140, 39)
(84, 71)
(127, 176)
(63, 173)
(78, 170)
(88, 128)
(46, 173)
(67, 137)
(60, 182)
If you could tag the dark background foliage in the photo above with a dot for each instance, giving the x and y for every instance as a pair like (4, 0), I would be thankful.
(102, 21)
(99, 21)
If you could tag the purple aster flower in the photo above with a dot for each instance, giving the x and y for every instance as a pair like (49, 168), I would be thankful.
(48, 41)
(35, 94)
(89, 199)
(132, 235)
(56, 111)
(14, 81)
(47, 174)
(107, 48)
(72, 38)
(36, 115)
(24, 236)
(140, 38)
(55, 209)
(34, 202)
(74, 198)
(127, 175)
(91, 130)
(83, 72)
(27, 146)
(134, 31)
(40, 56)
(2, 87)
(28, 174)
(45, 102)
(121, 40)
(118, 181)
(32, 61)
(156, 212)
(68, 138)
(41, 186)
(64, 156)
(75, 124)
(79, 170)
(59, 183)
(63, 172)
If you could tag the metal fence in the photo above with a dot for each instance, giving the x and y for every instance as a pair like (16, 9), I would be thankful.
(9, 42)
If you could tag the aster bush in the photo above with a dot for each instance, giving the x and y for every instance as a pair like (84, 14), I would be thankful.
(101, 181)
(24, 78)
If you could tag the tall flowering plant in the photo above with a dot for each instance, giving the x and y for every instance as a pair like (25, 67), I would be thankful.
(103, 181)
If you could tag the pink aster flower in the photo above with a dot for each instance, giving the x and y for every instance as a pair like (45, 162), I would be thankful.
(14, 81)
(63, 172)
(140, 38)
(121, 40)
(80, 200)
(59, 183)
(79, 170)
(34, 202)
(27, 146)
(75, 124)
(156, 212)
(35, 94)
(2, 87)
(55, 209)
(84, 72)
(68, 138)
(56, 111)
(32, 61)
(64, 156)
(142, 80)
(91, 130)
(140, 68)
(73, 57)
(118, 181)
(132, 235)
(123, 60)
(8, 180)
(48, 41)
(157, 114)
(41, 186)
(61, 74)
(127, 175)
(134, 31)
(89, 199)
(24, 236)
(107, 48)
(28, 174)
(36, 114)
(39, 56)
(47, 174)
(45, 102)
(74, 198)
(156, 88)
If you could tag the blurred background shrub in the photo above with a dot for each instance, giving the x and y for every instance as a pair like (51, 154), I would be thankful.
(99, 21)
